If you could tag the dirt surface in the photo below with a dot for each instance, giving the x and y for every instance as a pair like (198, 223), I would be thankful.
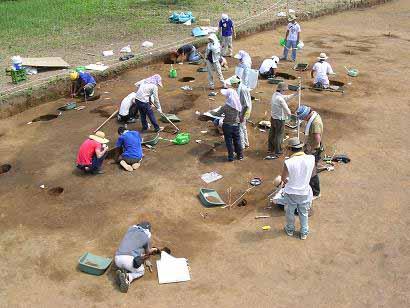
(357, 254)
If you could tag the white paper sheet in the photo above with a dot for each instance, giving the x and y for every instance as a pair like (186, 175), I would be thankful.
(211, 177)
(171, 269)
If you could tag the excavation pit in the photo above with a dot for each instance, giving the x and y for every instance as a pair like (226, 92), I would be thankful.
(45, 118)
(285, 76)
(5, 168)
(187, 79)
(55, 191)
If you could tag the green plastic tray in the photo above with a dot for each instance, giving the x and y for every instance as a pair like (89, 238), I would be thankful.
(210, 198)
(92, 264)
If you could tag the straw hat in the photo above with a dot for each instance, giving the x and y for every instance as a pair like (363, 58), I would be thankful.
(99, 137)
(322, 56)
(291, 17)
(295, 143)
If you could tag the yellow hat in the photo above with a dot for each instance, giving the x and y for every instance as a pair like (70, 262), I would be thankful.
(73, 76)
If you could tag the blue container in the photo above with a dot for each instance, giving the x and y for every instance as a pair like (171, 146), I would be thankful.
(92, 264)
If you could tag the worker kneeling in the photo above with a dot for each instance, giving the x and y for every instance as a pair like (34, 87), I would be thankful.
(134, 249)
(92, 153)
(84, 84)
(130, 143)
(296, 194)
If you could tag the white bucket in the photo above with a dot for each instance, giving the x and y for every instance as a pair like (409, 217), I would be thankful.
(17, 62)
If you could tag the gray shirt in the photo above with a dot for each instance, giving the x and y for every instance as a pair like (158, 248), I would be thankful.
(231, 114)
(134, 243)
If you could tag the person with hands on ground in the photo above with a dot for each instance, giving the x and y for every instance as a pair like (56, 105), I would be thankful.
(128, 109)
(84, 84)
(232, 110)
(212, 57)
(246, 103)
(320, 71)
(296, 194)
(280, 111)
(92, 153)
(134, 249)
(292, 38)
(130, 143)
(186, 52)
(313, 140)
(227, 31)
(268, 67)
(146, 95)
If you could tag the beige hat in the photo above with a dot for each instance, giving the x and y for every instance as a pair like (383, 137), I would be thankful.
(99, 137)
(277, 181)
(295, 143)
(281, 86)
(291, 17)
(322, 56)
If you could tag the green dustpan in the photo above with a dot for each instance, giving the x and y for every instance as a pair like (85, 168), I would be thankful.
(180, 139)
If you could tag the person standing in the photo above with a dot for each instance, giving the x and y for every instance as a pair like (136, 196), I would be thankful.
(296, 194)
(130, 143)
(227, 31)
(232, 110)
(245, 64)
(292, 38)
(246, 103)
(279, 112)
(134, 248)
(268, 67)
(212, 57)
(320, 72)
(313, 140)
(128, 109)
(146, 95)
(92, 153)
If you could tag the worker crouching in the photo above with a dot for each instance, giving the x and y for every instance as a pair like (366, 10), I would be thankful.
(83, 84)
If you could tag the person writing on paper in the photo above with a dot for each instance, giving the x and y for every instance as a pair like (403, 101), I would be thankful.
(232, 110)
(320, 71)
(134, 249)
(292, 38)
(246, 103)
(314, 143)
(92, 153)
(268, 67)
(128, 109)
(245, 65)
(146, 95)
(212, 57)
(279, 112)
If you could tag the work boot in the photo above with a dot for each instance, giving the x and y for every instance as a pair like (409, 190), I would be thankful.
(126, 166)
(123, 282)
(159, 129)
(131, 120)
(289, 233)
(303, 236)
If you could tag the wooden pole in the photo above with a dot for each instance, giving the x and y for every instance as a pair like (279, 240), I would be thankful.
(105, 122)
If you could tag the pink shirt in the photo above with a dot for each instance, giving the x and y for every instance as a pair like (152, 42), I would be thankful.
(86, 152)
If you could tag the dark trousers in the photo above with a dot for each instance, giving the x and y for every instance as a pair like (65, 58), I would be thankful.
(146, 110)
(269, 74)
(95, 165)
(277, 129)
(314, 180)
(132, 114)
(232, 140)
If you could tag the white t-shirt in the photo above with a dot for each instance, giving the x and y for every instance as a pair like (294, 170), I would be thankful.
(322, 69)
(293, 29)
(267, 64)
(126, 104)
(300, 171)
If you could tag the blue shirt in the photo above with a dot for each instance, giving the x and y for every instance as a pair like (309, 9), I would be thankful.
(134, 243)
(227, 26)
(130, 141)
(87, 78)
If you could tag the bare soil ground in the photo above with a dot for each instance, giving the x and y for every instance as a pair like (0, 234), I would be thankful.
(357, 254)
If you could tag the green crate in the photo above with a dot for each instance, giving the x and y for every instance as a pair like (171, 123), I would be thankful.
(18, 75)
(92, 264)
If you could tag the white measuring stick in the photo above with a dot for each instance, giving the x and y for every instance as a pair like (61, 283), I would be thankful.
(299, 99)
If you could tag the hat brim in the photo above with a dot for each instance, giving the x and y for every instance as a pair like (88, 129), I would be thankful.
(237, 56)
(297, 146)
(98, 139)
(320, 58)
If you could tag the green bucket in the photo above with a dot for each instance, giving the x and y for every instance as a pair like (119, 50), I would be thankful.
(172, 72)
(182, 138)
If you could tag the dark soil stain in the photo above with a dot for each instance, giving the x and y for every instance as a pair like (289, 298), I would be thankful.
(5, 168)
(104, 111)
(336, 83)
(46, 117)
(348, 52)
(55, 191)
(182, 102)
(286, 76)
(321, 44)
(186, 79)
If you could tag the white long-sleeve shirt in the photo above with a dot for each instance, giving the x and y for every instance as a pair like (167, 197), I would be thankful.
(146, 91)
(280, 109)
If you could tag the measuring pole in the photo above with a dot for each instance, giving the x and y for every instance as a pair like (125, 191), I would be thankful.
(299, 99)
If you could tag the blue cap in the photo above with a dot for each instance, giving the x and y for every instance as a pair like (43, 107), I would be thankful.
(302, 112)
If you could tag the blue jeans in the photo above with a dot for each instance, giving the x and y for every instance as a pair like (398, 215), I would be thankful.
(194, 56)
(302, 204)
(95, 165)
(146, 110)
(289, 45)
(232, 140)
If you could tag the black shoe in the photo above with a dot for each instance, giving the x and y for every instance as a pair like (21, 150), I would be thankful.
(132, 120)
(240, 157)
(230, 159)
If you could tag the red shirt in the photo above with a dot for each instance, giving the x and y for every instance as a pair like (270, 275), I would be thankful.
(86, 152)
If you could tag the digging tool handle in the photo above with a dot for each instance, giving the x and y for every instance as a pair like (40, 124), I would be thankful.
(105, 122)
(168, 120)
